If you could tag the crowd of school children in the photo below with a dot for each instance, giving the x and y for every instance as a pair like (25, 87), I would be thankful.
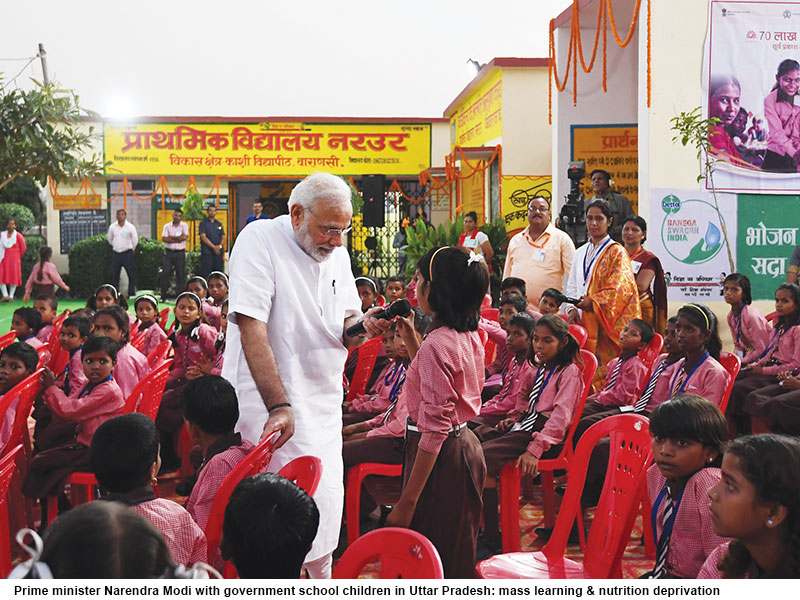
(724, 486)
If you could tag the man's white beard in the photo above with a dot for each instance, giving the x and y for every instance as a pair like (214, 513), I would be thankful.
(305, 240)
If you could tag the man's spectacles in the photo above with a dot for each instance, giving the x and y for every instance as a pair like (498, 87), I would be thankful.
(541, 209)
(331, 231)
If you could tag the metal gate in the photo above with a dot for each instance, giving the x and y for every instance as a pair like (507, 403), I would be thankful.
(375, 251)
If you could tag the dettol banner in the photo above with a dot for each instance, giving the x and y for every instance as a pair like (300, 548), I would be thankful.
(687, 234)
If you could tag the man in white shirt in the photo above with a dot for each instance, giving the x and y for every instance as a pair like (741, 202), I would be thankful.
(174, 236)
(123, 239)
(292, 295)
(540, 254)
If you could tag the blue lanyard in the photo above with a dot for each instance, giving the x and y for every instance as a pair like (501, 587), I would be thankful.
(667, 531)
(390, 377)
(690, 373)
(544, 383)
(398, 383)
(776, 337)
(595, 256)
(739, 325)
(87, 389)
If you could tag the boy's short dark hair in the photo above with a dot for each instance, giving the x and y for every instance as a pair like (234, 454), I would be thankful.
(123, 451)
(269, 526)
(645, 329)
(513, 282)
(517, 301)
(51, 300)
(101, 342)
(84, 313)
(210, 403)
(524, 321)
(397, 278)
(31, 316)
(84, 326)
(23, 352)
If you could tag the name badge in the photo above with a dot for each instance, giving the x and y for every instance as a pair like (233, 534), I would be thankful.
(739, 353)
(471, 243)
(125, 234)
(636, 265)
(624, 409)
(538, 254)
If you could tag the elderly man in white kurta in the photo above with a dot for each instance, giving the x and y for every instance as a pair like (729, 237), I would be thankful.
(292, 295)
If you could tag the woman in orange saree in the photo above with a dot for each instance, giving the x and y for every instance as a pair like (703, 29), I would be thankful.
(603, 279)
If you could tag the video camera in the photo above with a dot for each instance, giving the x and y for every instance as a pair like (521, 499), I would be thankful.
(572, 217)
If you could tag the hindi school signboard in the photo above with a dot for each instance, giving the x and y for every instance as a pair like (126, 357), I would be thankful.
(612, 148)
(266, 149)
(517, 191)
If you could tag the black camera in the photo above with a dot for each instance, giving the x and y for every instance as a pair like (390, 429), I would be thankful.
(572, 216)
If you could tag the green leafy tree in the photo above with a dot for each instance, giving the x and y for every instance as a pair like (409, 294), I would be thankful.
(42, 134)
(693, 130)
(192, 212)
(25, 192)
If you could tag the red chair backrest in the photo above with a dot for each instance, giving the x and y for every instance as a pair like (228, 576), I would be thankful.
(137, 337)
(380, 300)
(162, 318)
(255, 462)
(772, 317)
(653, 349)
(44, 354)
(490, 313)
(159, 353)
(58, 356)
(7, 466)
(367, 354)
(487, 301)
(58, 322)
(8, 338)
(579, 333)
(146, 395)
(731, 363)
(26, 390)
(305, 471)
(403, 554)
(630, 453)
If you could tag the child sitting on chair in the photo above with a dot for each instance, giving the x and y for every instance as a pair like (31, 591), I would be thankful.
(211, 409)
(17, 361)
(497, 332)
(48, 308)
(26, 322)
(74, 333)
(146, 307)
(87, 408)
(269, 525)
(125, 460)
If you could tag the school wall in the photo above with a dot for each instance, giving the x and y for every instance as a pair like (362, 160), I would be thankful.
(616, 106)
(527, 148)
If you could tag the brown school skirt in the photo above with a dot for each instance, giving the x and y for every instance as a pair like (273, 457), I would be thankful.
(449, 509)
(778, 406)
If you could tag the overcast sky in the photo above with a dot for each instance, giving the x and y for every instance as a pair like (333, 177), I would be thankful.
(404, 58)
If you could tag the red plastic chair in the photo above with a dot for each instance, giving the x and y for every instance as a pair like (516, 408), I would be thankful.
(403, 554)
(8, 465)
(44, 355)
(490, 313)
(55, 338)
(8, 338)
(731, 363)
(163, 316)
(380, 300)
(651, 352)
(352, 497)
(255, 462)
(24, 393)
(159, 353)
(579, 333)
(367, 354)
(487, 301)
(145, 397)
(305, 471)
(625, 480)
(510, 475)
(137, 339)
(772, 317)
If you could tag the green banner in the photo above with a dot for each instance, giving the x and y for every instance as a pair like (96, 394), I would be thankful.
(766, 237)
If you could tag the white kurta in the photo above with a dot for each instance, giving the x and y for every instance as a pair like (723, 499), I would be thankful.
(305, 304)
